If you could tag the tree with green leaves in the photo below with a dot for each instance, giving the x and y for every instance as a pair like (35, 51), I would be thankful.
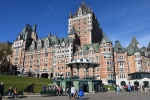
(5, 54)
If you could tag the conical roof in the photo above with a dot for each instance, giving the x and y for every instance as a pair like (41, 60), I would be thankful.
(134, 41)
(105, 38)
(84, 8)
(118, 47)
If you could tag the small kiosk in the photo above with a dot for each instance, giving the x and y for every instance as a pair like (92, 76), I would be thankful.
(89, 84)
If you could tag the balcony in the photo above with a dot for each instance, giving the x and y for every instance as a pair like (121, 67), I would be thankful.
(121, 60)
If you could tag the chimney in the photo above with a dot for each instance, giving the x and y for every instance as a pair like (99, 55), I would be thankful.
(34, 28)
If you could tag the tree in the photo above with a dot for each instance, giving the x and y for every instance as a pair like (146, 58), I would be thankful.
(5, 53)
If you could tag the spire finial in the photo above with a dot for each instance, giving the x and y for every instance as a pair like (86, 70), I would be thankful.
(70, 16)
(82, 1)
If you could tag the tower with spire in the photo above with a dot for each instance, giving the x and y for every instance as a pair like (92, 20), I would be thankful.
(86, 25)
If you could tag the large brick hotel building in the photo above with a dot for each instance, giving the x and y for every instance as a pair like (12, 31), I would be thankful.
(48, 56)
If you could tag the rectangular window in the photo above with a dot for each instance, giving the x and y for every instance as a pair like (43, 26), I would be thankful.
(96, 57)
(68, 73)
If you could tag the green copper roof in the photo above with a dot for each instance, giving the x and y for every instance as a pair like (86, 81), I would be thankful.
(53, 39)
(85, 9)
(105, 38)
(25, 33)
(131, 50)
(143, 49)
(136, 49)
(86, 48)
(134, 41)
(26, 28)
(118, 47)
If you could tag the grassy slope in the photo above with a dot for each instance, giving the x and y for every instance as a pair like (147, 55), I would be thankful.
(111, 87)
(22, 82)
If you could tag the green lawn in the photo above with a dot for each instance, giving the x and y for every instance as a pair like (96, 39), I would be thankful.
(111, 87)
(22, 82)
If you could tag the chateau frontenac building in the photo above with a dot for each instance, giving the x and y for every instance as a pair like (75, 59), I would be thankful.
(47, 57)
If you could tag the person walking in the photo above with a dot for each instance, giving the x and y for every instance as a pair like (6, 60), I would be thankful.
(73, 92)
(68, 90)
(58, 90)
(118, 90)
(129, 88)
(81, 93)
(1, 90)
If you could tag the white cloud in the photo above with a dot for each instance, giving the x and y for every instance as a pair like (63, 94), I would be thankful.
(52, 5)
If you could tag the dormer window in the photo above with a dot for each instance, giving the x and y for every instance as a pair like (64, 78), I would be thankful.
(80, 12)
(104, 44)
(119, 49)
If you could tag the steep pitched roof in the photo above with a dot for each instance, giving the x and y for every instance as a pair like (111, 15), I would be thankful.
(53, 39)
(105, 38)
(86, 47)
(118, 47)
(143, 49)
(132, 49)
(134, 41)
(26, 33)
(136, 49)
(85, 9)
(72, 31)
(95, 47)
(77, 48)
(27, 28)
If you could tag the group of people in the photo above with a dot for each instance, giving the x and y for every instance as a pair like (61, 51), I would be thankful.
(130, 88)
(58, 91)
(72, 92)
(13, 93)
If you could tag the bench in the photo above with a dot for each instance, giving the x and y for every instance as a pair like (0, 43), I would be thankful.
(20, 93)
(52, 93)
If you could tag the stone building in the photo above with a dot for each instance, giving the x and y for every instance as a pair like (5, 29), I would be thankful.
(47, 57)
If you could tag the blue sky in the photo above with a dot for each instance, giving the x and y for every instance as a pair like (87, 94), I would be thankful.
(119, 19)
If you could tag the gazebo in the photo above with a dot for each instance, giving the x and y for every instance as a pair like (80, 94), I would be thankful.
(88, 84)
(82, 63)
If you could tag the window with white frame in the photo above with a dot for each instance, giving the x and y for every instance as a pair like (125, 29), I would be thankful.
(96, 57)
(110, 68)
